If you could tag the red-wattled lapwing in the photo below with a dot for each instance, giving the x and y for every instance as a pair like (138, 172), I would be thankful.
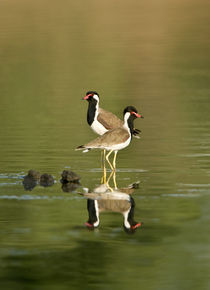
(115, 139)
(101, 120)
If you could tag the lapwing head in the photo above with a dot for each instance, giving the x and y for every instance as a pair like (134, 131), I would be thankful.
(130, 114)
(131, 111)
(91, 96)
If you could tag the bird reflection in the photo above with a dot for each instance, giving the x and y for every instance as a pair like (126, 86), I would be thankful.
(106, 198)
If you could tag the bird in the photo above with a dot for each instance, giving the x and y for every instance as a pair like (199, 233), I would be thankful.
(115, 139)
(99, 119)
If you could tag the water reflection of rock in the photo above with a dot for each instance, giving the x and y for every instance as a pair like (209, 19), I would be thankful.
(70, 186)
(34, 177)
(31, 179)
(104, 198)
(69, 179)
(29, 182)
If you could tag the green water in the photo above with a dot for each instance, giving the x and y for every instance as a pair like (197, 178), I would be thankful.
(150, 54)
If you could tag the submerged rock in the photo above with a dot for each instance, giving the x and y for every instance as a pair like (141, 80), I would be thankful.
(69, 176)
(46, 180)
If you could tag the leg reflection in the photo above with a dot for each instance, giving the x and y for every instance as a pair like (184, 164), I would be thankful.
(108, 180)
(103, 155)
(113, 177)
(114, 180)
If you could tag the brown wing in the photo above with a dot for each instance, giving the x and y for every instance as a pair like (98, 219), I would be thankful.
(112, 137)
(108, 120)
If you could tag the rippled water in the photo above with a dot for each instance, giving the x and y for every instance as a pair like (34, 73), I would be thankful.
(153, 55)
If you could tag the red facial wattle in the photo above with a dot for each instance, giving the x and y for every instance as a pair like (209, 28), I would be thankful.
(87, 96)
(137, 115)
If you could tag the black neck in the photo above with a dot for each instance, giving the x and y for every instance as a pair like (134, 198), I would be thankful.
(91, 111)
(130, 124)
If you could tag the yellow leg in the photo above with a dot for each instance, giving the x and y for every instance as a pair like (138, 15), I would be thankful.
(103, 155)
(107, 159)
(114, 160)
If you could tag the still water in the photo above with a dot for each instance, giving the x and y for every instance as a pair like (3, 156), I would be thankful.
(150, 54)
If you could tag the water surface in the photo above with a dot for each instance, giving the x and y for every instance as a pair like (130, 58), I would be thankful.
(152, 55)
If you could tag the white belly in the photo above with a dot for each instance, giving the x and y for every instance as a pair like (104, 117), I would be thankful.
(119, 146)
(98, 128)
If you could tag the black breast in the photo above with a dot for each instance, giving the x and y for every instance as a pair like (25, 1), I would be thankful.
(130, 124)
(91, 111)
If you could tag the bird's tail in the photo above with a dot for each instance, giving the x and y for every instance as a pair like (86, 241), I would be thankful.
(82, 147)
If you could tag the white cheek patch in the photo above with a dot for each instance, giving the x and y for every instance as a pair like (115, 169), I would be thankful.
(96, 98)
(127, 115)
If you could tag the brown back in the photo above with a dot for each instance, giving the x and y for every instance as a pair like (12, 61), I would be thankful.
(112, 137)
(108, 120)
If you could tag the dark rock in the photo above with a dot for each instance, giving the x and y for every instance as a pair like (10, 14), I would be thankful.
(46, 180)
(69, 176)
(34, 174)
